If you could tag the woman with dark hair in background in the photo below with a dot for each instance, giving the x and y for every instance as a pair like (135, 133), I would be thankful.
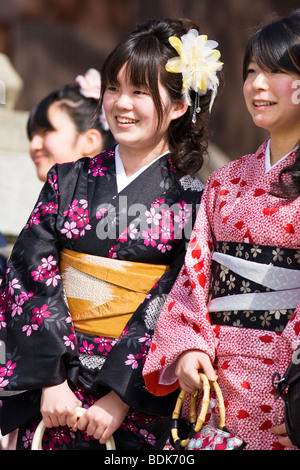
(65, 124)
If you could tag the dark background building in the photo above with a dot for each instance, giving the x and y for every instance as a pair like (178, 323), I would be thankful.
(51, 41)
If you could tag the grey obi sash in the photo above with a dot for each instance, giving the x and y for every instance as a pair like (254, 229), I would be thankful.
(254, 286)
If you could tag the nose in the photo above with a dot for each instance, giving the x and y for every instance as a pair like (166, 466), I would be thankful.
(123, 101)
(261, 81)
(36, 142)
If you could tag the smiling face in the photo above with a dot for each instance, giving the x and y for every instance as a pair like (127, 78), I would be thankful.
(270, 99)
(60, 145)
(132, 116)
(60, 141)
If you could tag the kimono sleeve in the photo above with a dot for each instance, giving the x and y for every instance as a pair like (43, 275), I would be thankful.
(36, 332)
(184, 322)
(129, 354)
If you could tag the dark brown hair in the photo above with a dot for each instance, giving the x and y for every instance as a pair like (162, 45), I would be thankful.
(145, 53)
(276, 47)
(81, 110)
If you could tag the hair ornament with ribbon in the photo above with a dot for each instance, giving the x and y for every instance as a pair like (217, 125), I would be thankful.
(90, 84)
(198, 62)
(90, 87)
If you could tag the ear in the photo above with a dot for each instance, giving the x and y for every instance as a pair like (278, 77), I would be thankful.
(179, 109)
(92, 142)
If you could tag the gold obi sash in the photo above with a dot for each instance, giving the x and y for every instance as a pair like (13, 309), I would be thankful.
(103, 293)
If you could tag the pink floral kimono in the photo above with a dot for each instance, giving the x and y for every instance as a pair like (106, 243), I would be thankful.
(236, 297)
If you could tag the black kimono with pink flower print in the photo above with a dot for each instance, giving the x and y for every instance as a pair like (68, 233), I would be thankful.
(79, 208)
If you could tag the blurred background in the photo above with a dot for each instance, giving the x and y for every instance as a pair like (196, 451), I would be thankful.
(45, 43)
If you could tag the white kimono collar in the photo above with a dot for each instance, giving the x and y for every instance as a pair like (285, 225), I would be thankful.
(122, 179)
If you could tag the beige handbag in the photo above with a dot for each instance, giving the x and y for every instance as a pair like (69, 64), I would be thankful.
(38, 435)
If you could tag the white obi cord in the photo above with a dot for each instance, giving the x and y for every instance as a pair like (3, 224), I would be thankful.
(284, 282)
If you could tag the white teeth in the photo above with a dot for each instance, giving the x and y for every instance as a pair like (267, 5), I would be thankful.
(125, 120)
(262, 103)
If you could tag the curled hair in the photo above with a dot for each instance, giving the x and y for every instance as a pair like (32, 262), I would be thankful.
(145, 53)
(81, 111)
(276, 47)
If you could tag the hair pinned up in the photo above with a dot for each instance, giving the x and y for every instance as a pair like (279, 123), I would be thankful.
(145, 52)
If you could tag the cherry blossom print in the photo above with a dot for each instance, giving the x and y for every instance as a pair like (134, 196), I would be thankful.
(3, 383)
(34, 219)
(49, 263)
(150, 237)
(53, 182)
(27, 439)
(78, 221)
(163, 247)
(70, 230)
(96, 167)
(81, 218)
(12, 285)
(130, 426)
(38, 275)
(34, 304)
(50, 208)
(2, 320)
(104, 344)
(183, 216)
(59, 435)
(69, 341)
(16, 307)
(146, 339)
(29, 329)
(101, 212)
(153, 217)
(47, 271)
(8, 370)
(53, 277)
(73, 207)
(132, 361)
(83, 203)
(166, 230)
(86, 348)
(131, 232)
(39, 314)
(150, 438)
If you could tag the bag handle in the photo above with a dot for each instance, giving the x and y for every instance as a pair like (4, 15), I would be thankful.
(39, 432)
(197, 422)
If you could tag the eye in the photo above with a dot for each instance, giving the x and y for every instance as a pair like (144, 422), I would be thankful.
(140, 92)
(250, 71)
(277, 71)
(112, 86)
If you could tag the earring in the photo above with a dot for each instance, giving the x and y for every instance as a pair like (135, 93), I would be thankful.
(197, 108)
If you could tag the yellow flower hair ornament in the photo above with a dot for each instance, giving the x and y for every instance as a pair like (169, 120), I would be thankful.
(198, 62)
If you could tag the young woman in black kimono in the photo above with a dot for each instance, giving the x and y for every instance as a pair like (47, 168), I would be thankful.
(91, 269)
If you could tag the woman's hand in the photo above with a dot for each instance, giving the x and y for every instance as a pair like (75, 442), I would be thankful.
(103, 418)
(188, 366)
(58, 406)
(280, 432)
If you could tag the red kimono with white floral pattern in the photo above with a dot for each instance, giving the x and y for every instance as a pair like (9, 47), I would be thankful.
(236, 207)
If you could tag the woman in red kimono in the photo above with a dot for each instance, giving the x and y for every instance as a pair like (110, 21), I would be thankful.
(101, 250)
(234, 310)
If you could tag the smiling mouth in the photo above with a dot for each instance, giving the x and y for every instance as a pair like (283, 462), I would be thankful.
(38, 156)
(126, 120)
(258, 104)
